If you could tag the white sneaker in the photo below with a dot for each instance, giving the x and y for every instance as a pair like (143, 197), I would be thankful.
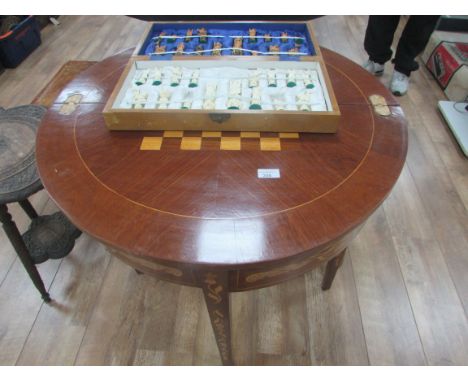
(399, 83)
(374, 68)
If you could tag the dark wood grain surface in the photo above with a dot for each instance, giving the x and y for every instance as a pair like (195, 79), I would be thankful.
(208, 207)
(398, 298)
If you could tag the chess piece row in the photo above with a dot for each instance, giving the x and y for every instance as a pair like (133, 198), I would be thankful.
(154, 77)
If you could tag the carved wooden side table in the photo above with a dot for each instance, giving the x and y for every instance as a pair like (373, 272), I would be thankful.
(199, 215)
(50, 236)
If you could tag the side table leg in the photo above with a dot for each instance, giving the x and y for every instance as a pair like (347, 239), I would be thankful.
(215, 290)
(28, 208)
(330, 272)
(16, 240)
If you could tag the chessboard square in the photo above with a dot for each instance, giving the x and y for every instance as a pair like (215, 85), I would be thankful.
(269, 134)
(211, 134)
(151, 143)
(192, 133)
(173, 134)
(191, 143)
(250, 144)
(250, 134)
(270, 144)
(289, 135)
(235, 134)
(230, 143)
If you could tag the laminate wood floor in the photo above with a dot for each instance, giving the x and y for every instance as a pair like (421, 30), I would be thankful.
(400, 298)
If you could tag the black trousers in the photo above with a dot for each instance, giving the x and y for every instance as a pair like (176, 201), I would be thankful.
(379, 38)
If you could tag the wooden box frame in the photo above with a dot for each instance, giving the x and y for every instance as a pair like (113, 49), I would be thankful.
(224, 120)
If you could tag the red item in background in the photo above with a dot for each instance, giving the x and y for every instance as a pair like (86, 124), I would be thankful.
(446, 59)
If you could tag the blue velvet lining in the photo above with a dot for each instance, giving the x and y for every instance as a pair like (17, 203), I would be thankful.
(228, 29)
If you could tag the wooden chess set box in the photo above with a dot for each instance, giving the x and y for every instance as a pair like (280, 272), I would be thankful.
(225, 76)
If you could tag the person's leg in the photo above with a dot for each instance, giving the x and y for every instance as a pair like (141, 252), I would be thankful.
(413, 40)
(379, 37)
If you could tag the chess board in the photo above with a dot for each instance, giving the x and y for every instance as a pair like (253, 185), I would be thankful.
(217, 140)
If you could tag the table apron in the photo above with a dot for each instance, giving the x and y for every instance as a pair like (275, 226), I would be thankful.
(256, 277)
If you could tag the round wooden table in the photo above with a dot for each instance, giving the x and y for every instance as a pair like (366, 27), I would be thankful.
(198, 214)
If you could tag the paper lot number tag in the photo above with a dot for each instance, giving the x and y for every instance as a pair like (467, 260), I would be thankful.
(268, 173)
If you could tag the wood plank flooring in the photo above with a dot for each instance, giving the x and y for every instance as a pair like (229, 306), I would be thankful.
(400, 298)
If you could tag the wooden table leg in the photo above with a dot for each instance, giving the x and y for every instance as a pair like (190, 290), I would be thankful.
(16, 240)
(330, 272)
(215, 290)
(28, 208)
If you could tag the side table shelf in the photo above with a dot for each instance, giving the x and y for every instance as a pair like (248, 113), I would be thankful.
(50, 237)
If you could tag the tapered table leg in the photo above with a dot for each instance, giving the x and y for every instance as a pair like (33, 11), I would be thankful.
(16, 240)
(215, 290)
(330, 272)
